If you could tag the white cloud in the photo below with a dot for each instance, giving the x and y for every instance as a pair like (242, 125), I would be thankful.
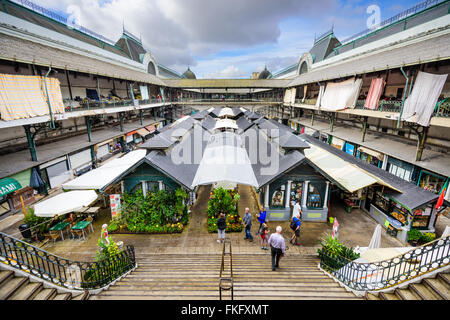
(229, 72)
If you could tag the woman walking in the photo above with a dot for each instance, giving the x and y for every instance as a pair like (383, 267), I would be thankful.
(264, 236)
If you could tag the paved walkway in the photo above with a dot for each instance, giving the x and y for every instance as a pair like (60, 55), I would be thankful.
(356, 228)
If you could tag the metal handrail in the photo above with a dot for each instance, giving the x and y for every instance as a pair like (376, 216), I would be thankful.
(73, 275)
(223, 280)
(388, 273)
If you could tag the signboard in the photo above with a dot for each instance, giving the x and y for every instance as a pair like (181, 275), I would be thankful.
(144, 92)
(114, 202)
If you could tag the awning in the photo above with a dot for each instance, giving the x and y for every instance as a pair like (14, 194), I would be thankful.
(226, 112)
(64, 203)
(131, 133)
(150, 128)
(142, 132)
(344, 173)
(374, 153)
(226, 123)
(9, 185)
(100, 178)
(225, 161)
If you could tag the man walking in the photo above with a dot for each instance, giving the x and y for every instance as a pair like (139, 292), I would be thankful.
(247, 221)
(277, 246)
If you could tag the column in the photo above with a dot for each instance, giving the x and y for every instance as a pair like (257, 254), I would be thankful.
(144, 188)
(385, 162)
(122, 187)
(305, 194)
(121, 121)
(160, 183)
(141, 117)
(266, 197)
(325, 202)
(31, 143)
(88, 126)
(288, 194)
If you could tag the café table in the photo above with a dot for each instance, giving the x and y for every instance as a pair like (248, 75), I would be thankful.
(60, 226)
(81, 225)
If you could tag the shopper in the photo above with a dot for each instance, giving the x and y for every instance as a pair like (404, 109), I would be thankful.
(295, 226)
(247, 222)
(296, 209)
(264, 235)
(277, 246)
(221, 226)
(261, 218)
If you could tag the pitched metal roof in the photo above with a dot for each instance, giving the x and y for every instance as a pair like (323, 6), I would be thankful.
(388, 57)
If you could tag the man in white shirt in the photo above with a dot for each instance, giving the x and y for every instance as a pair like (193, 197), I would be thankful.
(296, 210)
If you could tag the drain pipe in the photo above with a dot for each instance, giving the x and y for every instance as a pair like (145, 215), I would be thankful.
(404, 96)
(52, 121)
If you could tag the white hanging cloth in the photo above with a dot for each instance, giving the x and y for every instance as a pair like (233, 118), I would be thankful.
(419, 106)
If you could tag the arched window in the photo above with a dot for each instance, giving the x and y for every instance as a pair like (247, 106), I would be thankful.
(151, 68)
(303, 67)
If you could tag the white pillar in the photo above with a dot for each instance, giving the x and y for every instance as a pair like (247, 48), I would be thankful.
(385, 162)
(325, 201)
(266, 197)
(144, 188)
(288, 193)
(122, 186)
(305, 194)
(160, 183)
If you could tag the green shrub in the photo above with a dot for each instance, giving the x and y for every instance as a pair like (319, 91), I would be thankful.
(427, 237)
(334, 255)
(414, 235)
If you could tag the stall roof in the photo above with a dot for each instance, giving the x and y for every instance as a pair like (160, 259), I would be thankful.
(225, 123)
(64, 203)
(225, 160)
(408, 194)
(102, 177)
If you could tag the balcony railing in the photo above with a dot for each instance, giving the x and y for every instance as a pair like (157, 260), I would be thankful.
(442, 108)
(387, 273)
(73, 275)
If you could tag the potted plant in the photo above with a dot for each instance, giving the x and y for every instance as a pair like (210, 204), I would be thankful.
(414, 236)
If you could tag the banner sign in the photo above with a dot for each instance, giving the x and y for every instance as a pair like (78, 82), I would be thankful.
(114, 202)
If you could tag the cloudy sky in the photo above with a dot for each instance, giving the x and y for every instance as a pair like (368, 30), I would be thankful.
(227, 38)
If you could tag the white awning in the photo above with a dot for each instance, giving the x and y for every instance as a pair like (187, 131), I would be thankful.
(100, 178)
(225, 123)
(226, 112)
(225, 161)
(346, 174)
(64, 203)
(373, 153)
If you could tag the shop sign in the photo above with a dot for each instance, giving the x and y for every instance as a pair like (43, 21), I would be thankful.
(8, 185)
(114, 202)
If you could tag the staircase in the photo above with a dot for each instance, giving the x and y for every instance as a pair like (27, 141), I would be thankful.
(196, 277)
(427, 289)
(21, 288)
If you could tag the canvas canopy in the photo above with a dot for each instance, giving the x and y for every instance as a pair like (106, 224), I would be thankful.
(225, 160)
(419, 106)
(100, 178)
(224, 112)
(225, 123)
(341, 95)
(344, 173)
(64, 203)
(26, 96)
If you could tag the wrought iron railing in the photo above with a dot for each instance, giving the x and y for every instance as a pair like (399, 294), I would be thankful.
(226, 283)
(73, 275)
(388, 273)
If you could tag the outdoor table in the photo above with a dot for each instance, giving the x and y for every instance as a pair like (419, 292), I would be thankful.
(60, 226)
(81, 225)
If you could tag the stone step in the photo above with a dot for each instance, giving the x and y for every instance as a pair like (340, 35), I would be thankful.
(63, 296)
(388, 296)
(425, 293)
(438, 286)
(371, 296)
(83, 296)
(11, 286)
(407, 294)
(445, 277)
(5, 275)
(45, 294)
(27, 292)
